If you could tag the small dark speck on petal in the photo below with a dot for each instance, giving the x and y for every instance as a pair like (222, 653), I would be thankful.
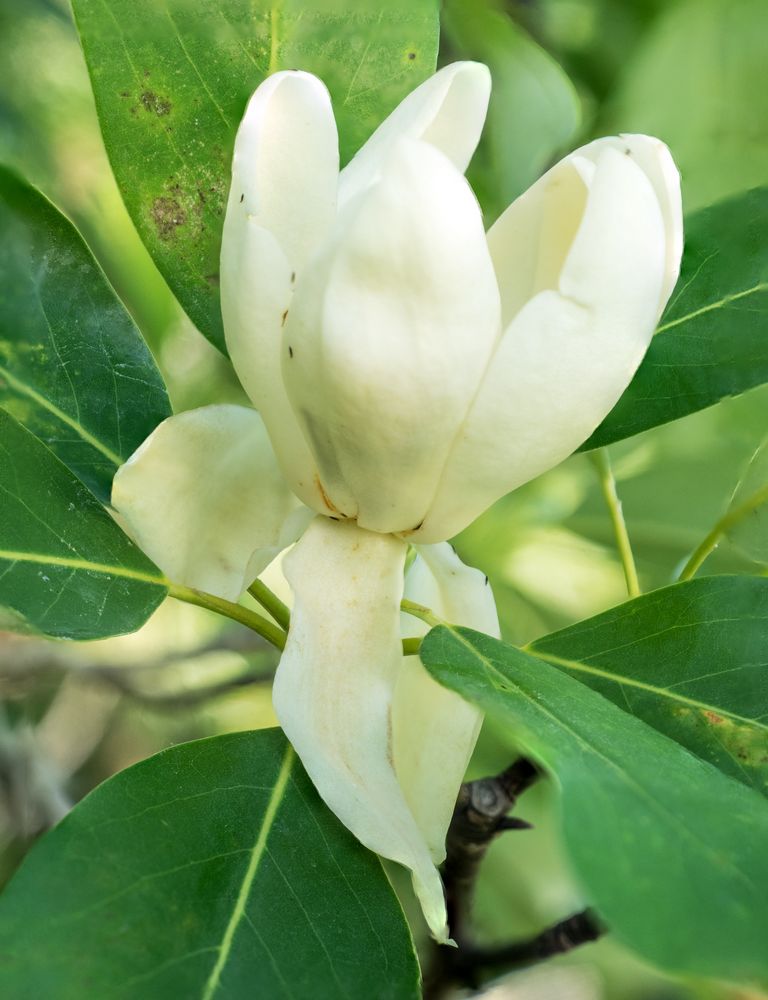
(242, 198)
(284, 318)
(486, 581)
(627, 151)
(290, 351)
(293, 276)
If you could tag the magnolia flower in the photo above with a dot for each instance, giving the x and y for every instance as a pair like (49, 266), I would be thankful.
(410, 369)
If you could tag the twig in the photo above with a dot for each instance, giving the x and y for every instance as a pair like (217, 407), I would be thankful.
(479, 817)
(602, 464)
(470, 965)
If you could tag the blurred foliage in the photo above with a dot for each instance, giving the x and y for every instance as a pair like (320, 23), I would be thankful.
(691, 71)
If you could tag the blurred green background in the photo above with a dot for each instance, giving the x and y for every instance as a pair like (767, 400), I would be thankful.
(693, 72)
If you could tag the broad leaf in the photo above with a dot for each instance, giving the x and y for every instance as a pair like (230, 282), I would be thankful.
(172, 79)
(534, 107)
(73, 367)
(690, 660)
(670, 850)
(712, 341)
(210, 870)
(66, 568)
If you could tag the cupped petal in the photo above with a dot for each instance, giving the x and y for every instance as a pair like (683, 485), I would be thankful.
(285, 166)
(569, 353)
(528, 243)
(655, 160)
(203, 496)
(334, 687)
(388, 339)
(447, 111)
(282, 204)
(434, 730)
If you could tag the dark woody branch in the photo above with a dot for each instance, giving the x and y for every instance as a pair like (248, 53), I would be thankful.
(479, 817)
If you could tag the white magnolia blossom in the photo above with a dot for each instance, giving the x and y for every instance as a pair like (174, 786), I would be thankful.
(409, 369)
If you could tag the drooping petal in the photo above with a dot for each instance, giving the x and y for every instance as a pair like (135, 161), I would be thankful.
(434, 730)
(389, 336)
(203, 496)
(334, 686)
(570, 351)
(282, 204)
(448, 111)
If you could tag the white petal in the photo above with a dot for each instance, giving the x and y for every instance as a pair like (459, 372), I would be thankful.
(282, 203)
(570, 352)
(389, 337)
(655, 160)
(286, 163)
(434, 730)
(204, 498)
(448, 111)
(529, 241)
(334, 686)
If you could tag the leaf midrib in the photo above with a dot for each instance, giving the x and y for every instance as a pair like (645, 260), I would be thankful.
(257, 853)
(27, 390)
(761, 286)
(588, 668)
(7, 555)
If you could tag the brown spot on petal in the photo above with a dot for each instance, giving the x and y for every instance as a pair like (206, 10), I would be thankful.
(325, 497)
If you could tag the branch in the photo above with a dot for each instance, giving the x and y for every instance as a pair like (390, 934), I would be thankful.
(479, 817)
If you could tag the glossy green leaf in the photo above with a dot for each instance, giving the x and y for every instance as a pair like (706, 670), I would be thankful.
(690, 660)
(534, 109)
(66, 568)
(712, 341)
(172, 79)
(73, 367)
(219, 874)
(669, 850)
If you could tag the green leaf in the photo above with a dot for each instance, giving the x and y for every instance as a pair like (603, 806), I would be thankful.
(210, 870)
(534, 108)
(698, 82)
(172, 78)
(66, 568)
(690, 661)
(669, 850)
(73, 367)
(712, 341)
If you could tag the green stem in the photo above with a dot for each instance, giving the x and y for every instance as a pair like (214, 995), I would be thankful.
(727, 521)
(271, 602)
(411, 645)
(602, 464)
(419, 611)
(266, 629)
